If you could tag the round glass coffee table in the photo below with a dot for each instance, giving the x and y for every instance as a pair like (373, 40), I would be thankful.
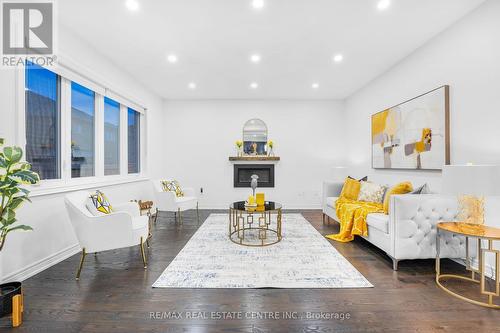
(255, 226)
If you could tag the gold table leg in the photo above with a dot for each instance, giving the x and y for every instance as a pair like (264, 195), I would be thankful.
(238, 224)
(472, 279)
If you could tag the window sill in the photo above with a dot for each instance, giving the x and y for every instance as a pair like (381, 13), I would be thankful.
(58, 186)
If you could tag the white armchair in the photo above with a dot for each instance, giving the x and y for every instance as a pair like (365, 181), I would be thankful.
(124, 227)
(167, 201)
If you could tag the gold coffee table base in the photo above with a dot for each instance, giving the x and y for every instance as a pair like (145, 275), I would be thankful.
(263, 222)
(479, 232)
(240, 241)
(490, 303)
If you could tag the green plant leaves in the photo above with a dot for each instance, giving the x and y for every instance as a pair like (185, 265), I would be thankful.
(25, 177)
(13, 174)
(8, 217)
(20, 227)
(25, 166)
(13, 154)
(17, 201)
(3, 161)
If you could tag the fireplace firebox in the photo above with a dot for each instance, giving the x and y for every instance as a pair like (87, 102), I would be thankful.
(244, 172)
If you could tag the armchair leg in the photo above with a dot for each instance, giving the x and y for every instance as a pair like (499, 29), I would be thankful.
(150, 227)
(143, 254)
(156, 215)
(323, 218)
(180, 215)
(395, 264)
(197, 213)
(81, 264)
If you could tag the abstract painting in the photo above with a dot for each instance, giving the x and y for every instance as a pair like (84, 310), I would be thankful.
(413, 134)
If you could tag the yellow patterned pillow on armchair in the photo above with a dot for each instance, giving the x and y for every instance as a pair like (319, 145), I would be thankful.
(172, 186)
(101, 202)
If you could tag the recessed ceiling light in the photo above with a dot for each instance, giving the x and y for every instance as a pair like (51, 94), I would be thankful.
(172, 58)
(255, 58)
(258, 4)
(338, 58)
(254, 85)
(192, 85)
(383, 4)
(132, 5)
(315, 85)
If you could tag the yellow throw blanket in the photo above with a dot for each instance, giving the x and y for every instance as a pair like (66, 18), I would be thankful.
(352, 215)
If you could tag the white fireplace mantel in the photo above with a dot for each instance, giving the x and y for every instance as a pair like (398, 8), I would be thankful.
(254, 158)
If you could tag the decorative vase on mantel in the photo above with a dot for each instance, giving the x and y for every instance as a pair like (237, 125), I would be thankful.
(270, 153)
(239, 148)
(270, 145)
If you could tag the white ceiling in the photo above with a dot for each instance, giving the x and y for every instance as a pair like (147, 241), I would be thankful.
(297, 39)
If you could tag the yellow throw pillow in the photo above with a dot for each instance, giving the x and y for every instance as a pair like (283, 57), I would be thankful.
(401, 188)
(351, 189)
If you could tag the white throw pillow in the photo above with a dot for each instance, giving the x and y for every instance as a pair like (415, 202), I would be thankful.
(371, 192)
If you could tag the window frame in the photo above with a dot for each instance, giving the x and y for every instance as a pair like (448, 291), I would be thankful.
(104, 139)
(139, 148)
(97, 122)
(58, 120)
(66, 183)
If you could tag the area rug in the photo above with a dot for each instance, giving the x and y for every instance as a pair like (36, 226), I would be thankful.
(303, 259)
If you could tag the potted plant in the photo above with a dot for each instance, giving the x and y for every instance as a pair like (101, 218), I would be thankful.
(13, 174)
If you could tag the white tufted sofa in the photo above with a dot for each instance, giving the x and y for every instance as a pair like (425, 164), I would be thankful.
(409, 230)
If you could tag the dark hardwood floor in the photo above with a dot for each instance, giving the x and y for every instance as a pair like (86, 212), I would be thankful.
(114, 294)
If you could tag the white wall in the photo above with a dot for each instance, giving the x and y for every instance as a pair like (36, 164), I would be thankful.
(53, 238)
(199, 137)
(467, 57)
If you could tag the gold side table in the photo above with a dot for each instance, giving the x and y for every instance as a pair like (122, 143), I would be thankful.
(255, 226)
(479, 232)
(145, 209)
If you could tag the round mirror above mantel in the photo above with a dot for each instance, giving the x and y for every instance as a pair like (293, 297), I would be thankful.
(255, 145)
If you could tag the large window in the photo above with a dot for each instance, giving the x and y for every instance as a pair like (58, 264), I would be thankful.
(111, 137)
(77, 129)
(82, 131)
(42, 97)
(133, 141)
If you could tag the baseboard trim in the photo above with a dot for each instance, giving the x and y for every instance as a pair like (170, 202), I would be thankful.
(489, 271)
(43, 264)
